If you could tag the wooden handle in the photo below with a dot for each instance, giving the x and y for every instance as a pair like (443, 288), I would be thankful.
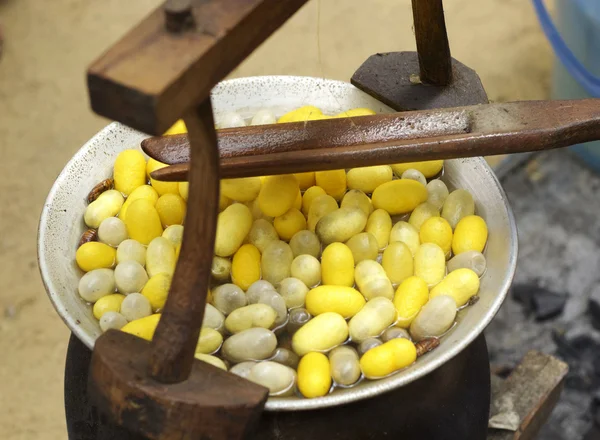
(471, 131)
(435, 61)
(162, 69)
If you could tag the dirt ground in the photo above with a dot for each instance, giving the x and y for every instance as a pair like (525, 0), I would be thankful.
(45, 118)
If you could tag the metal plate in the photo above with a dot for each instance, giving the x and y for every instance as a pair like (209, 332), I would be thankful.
(61, 222)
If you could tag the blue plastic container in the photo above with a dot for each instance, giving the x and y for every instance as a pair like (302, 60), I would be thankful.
(575, 38)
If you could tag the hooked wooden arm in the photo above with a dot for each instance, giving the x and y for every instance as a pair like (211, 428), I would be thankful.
(163, 70)
(174, 342)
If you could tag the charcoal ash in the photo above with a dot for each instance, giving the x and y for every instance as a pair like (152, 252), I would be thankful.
(559, 256)
(595, 404)
(594, 307)
(538, 301)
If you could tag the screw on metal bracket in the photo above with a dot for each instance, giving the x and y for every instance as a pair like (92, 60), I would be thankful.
(178, 15)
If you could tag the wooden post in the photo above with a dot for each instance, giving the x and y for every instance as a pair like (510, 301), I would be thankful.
(524, 401)
(435, 62)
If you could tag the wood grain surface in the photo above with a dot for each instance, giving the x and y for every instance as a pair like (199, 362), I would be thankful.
(211, 403)
(153, 76)
(435, 62)
(483, 130)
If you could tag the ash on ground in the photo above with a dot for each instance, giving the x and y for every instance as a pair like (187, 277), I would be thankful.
(554, 306)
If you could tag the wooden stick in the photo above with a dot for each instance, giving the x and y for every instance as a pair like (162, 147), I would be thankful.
(174, 343)
(300, 136)
(491, 129)
(432, 42)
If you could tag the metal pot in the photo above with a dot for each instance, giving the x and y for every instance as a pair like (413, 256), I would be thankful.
(61, 222)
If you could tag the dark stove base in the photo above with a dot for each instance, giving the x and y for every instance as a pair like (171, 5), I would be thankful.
(451, 403)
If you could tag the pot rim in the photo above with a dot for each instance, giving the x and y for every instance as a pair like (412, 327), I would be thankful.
(284, 404)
